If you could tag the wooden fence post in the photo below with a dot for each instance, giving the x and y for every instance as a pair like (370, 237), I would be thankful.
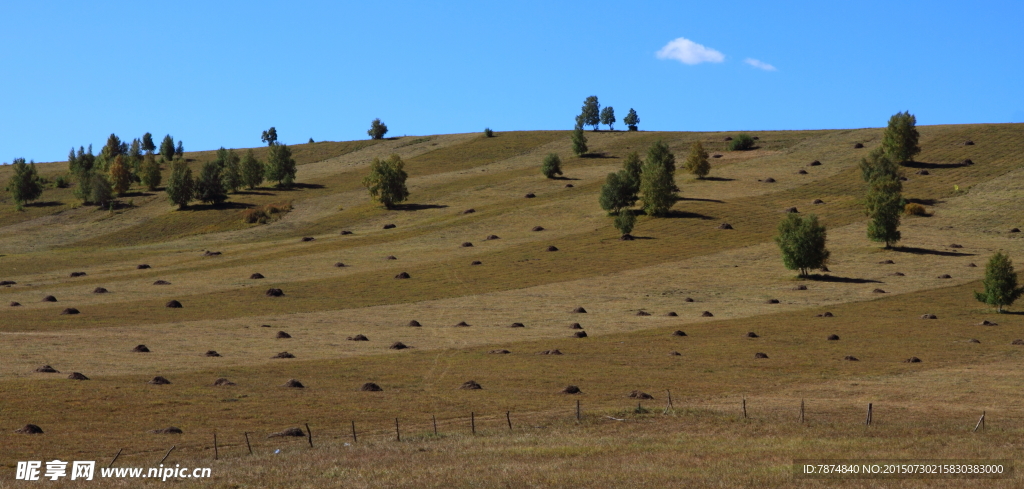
(472, 422)
(354, 439)
(669, 398)
(398, 434)
(578, 410)
(434, 418)
(309, 434)
(166, 454)
(801, 411)
(115, 458)
(744, 408)
(216, 452)
(981, 422)
(246, 433)
(508, 417)
(868, 420)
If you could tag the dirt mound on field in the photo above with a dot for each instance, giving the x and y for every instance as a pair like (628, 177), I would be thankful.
(725, 225)
(640, 395)
(357, 337)
(293, 383)
(211, 353)
(491, 237)
(223, 382)
(158, 380)
(370, 387)
(707, 314)
(143, 267)
(571, 389)
(47, 369)
(398, 345)
(389, 226)
(274, 292)
(170, 430)
(760, 355)
(161, 282)
(282, 334)
(283, 354)
(77, 376)
(575, 326)
(29, 429)
(99, 290)
(537, 228)
(517, 325)
(77, 274)
(414, 323)
(500, 352)
(49, 298)
(461, 324)
(579, 310)
(833, 337)
(551, 248)
(912, 360)
(70, 310)
(173, 304)
(256, 276)
(403, 275)
(678, 332)
(580, 334)
(307, 239)
(141, 349)
(550, 352)
(470, 385)
(287, 432)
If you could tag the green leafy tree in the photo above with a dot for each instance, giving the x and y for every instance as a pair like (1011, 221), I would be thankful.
(377, 129)
(93, 188)
(633, 166)
(624, 222)
(147, 143)
(150, 172)
(618, 192)
(269, 136)
(113, 148)
(591, 112)
(900, 139)
(386, 181)
(252, 171)
(878, 165)
(579, 141)
(631, 120)
(1000, 283)
(659, 154)
(552, 166)
(280, 165)
(743, 142)
(135, 159)
(657, 189)
(884, 205)
(120, 175)
(802, 243)
(181, 187)
(167, 148)
(84, 161)
(208, 187)
(231, 171)
(608, 118)
(24, 184)
(179, 151)
(697, 162)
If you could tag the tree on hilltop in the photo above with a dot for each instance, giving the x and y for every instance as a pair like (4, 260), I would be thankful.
(24, 184)
(269, 136)
(900, 139)
(377, 129)
(181, 187)
(579, 141)
(280, 165)
(167, 148)
(252, 170)
(147, 143)
(608, 118)
(591, 112)
(631, 120)
(150, 172)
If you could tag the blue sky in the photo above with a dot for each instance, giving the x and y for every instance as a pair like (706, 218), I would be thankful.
(218, 73)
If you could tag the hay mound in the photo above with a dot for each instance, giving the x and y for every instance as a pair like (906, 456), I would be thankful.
(792, 210)
(858, 146)
(8, 282)
(414, 323)
(77, 274)
(626, 237)
(671, 314)
(987, 323)
(833, 337)
(143, 267)
(288, 432)
(530, 195)
(851, 358)
(886, 262)
(968, 143)
(1017, 342)
(390, 257)
(800, 287)
(568, 185)
(537, 228)
(966, 162)
(825, 315)
(824, 269)
(47, 369)
(580, 334)
(752, 335)
(922, 172)
(357, 337)
(370, 387)
(223, 382)
(161, 282)
(550, 352)
(760, 355)
(403, 275)
(15, 304)
(801, 172)
(814, 163)
(264, 325)
(575, 326)
(945, 275)
(771, 301)
(158, 380)
(768, 180)
(283, 354)
(141, 349)
(339, 264)
(954, 245)
(551, 248)
(972, 340)
(878, 291)
(500, 352)
(929, 316)
(389, 226)
(912, 360)
(517, 325)
(491, 237)
(398, 345)
(49, 298)
(77, 376)
(469, 211)
(274, 292)
(256, 276)
(173, 304)
(707, 314)
(725, 225)
(99, 290)
(307, 239)
(282, 334)
(1015, 230)
(897, 274)
(461, 324)
(70, 310)
(679, 332)
(688, 299)
(727, 138)
(467, 244)
(571, 389)
(212, 353)
(470, 385)
(476, 262)
(293, 383)
(345, 232)
(716, 155)
(971, 265)
(675, 354)
(580, 310)
(211, 253)
(643, 313)
(640, 395)
(29, 429)
(817, 201)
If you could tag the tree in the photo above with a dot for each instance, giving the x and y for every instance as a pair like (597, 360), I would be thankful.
(181, 186)
(147, 143)
(552, 166)
(697, 161)
(386, 181)
(269, 136)
(252, 170)
(900, 139)
(660, 154)
(167, 148)
(150, 172)
(113, 148)
(624, 222)
(743, 142)
(591, 112)
(377, 129)
(93, 188)
(1000, 283)
(280, 165)
(633, 166)
(608, 118)
(631, 120)
(24, 183)
(180, 150)
(802, 243)
(579, 141)
(208, 187)
(135, 158)
(231, 172)
(120, 175)
(878, 164)
(657, 189)
(618, 192)
(884, 202)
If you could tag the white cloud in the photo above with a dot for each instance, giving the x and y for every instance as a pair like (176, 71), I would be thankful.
(689, 52)
(760, 64)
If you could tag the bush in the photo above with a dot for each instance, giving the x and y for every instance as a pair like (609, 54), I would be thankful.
(914, 210)
(377, 129)
(488, 132)
(265, 213)
(62, 181)
(552, 166)
(742, 142)
(386, 181)
(624, 221)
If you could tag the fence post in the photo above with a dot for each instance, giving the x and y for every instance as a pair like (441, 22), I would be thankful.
(246, 433)
(354, 439)
(434, 418)
(801, 410)
(868, 420)
(398, 434)
(578, 410)
(669, 398)
(472, 421)
(216, 452)
(981, 422)
(508, 417)
(744, 408)
(115, 458)
(309, 434)
(166, 454)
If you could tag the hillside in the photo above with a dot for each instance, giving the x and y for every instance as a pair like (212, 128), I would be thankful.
(733, 274)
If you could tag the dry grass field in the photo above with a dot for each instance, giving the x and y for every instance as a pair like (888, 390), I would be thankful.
(682, 264)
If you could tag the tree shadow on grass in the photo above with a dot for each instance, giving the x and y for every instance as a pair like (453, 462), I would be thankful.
(678, 214)
(933, 166)
(416, 207)
(137, 194)
(221, 206)
(925, 201)
(718, 179)
(841, 280)
(682, 199)
(565, 178)
(253, 192)
(49, 203)
(925, 251)
(598, 155)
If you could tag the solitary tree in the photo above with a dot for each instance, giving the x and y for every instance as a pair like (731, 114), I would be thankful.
(24, 183)
(167, 148)
(150, 172)
(120, 175)
(1000, 283)
(179, 151)
(181, 187)
(579, 141)
(208, 187)
(900, 139)
(252, 170)
(591, 112)
(802, 243)
(697, 161)
(377, 129)
(269, 136)
(884, 205)
(631, 120)
(280, 165)
(552, 166)
(624, 222)
(618, 192)
(608, 118)
(147, 143)
(386, 181)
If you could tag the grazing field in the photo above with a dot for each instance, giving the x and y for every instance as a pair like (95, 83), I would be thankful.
(721, 285)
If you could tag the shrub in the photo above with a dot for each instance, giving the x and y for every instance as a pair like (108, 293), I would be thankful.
(742, 142)
(624, 221)
(552, 166)
(62, 181)
(488, 132)
(265, 213)
(914, 210)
